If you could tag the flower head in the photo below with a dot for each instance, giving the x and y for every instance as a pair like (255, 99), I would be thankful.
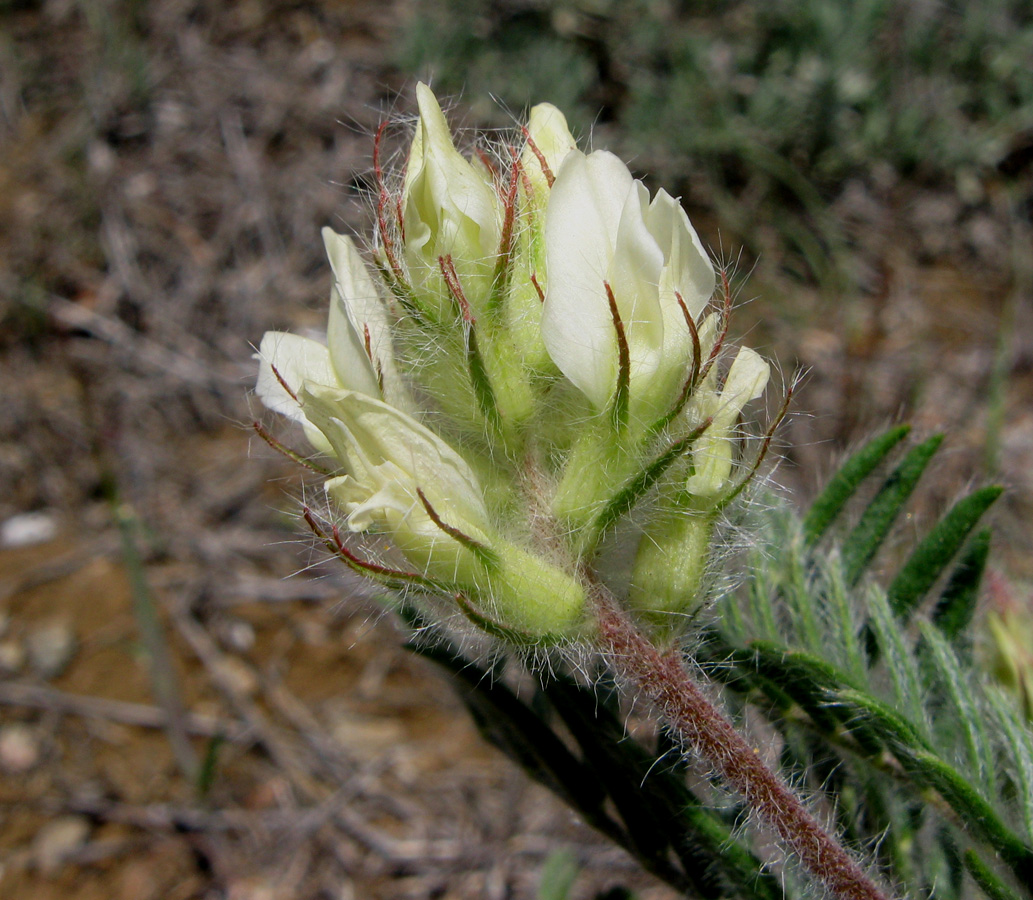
(532, 365)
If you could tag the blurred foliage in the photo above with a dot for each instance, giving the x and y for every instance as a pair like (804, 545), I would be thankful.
(781, 101)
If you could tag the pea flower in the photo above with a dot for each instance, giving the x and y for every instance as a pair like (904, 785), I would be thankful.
(624, 273)
(450, 211)
(529, 368)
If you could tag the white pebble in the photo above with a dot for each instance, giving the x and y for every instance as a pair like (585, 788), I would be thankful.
(12, 657)
(51, 647)
(57, 841)
(28, 528)
(19, 748)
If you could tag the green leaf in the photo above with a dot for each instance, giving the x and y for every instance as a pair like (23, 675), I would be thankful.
(808, 679)
(736, 668)
(957, 604)
(558, 875)
(899, 735)
(931, 557)
(966, 716)
(979, 815)
(989, 883)
(875, 523)
(844, 483)
(481, 382)
(632, 491)
(1018, 739)
(658, 809)
(845, 645)
(891, 641)
(928, 770)
(611, 759)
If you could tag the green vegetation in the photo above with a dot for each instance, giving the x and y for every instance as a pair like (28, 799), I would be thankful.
(777, 104)
(879, 706)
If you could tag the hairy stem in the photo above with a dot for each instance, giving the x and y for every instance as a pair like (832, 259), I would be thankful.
(662, 677)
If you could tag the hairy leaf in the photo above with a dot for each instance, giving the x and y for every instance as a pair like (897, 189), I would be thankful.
(984, 876)
(966, 716)
(908, 689)
(1018, 742)
(508, 724)
(864, 541)
(957, 604)
(932, 556)
(845, 482)
(655, 803)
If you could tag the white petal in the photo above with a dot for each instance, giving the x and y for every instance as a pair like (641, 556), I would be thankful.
(347, 350)
(367, 434)
(633, 276)
(687, 268)
(746, 380)
(383, 503)
(447, 206)
(581, 224)
(547, 129)
(356, 314)
(295, 360)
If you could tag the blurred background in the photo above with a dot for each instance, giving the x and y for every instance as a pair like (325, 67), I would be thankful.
(192, 702)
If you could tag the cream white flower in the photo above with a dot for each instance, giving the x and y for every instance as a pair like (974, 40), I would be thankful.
(389, 458)
(548, 142)
(449, 210)
(604, 236)
(546, 314)
(358, 333)
(746, 379)
(403, 480)
(357, 356)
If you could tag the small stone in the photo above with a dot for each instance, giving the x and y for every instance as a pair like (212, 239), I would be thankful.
(27, 529)
(251, 888)
(57, 841)
(19, 748)
(313, 633)
(12, 657)
(237, 635)
(237, 676)
(51, 647)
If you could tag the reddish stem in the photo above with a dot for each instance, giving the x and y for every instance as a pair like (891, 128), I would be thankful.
(662, 677)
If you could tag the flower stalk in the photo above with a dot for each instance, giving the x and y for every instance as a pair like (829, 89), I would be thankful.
(661, 676)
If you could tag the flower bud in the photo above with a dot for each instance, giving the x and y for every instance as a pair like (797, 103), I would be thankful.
(547, 141)
(547, 144)
(746, 380)
(450, 210)
(671, 561)
(390, 459)
(405, 482)
(359, 330)
(358, 356)
(530, 595)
